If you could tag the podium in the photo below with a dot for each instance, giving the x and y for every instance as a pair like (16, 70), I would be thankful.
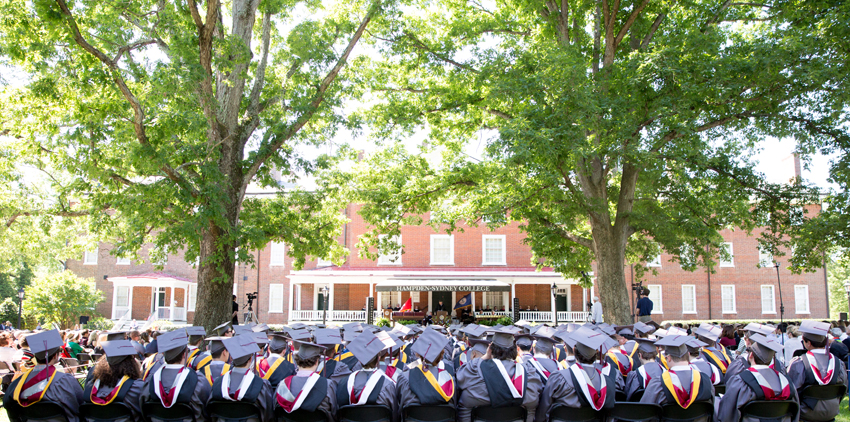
(441, 317)
(388, 314)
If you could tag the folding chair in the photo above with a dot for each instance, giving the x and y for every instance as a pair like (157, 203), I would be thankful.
(365, 413)
(499, 414)
(299, 416)
(111, 412)
(635, 412)
(232, 411)
(153, 411)
(442, 413)
(698, 410)
(41, 411)
(773, 410)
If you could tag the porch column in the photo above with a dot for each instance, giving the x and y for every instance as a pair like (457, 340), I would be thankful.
(185, 304)
(291, 300)
(330, 300)
(473, 302)
(513, 295)
(171, 304)
(129, 303)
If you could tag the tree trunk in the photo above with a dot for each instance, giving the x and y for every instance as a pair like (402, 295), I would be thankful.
(215, 282)
(611, 278)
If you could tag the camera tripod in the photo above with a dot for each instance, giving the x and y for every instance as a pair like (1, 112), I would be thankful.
(249, 315)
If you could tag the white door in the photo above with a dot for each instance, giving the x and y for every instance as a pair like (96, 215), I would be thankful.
(121, 302)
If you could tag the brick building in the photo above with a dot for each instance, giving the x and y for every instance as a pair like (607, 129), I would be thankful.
(497, 264)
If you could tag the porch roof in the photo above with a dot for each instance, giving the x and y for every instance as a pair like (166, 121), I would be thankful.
(152, 280)
(441, 285)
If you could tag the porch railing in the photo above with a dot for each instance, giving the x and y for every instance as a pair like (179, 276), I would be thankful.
(347, 315)
(573, 316)
(178, 314)
(311, 315)
(536, 316)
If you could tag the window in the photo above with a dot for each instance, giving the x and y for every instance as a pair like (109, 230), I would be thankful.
(321, 263)
(727, 298)
(122, 261)
(493, 250)
(724, 262)
(122, 296)
(193, 297)
(768, 304)
(765, 259)
(655, 262)
(390, 299)
(442, 249)
(235, 288)
(391, 258)
(275, 297)
(277, 256)
(90, 257)
(801, 299)
(494, 300)
(655, 297)
(689, 299)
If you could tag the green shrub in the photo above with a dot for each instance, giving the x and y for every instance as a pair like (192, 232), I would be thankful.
(406, 322)
(505, 320)
(61, 298)
(383, 322)
(487, 322)
(99, 324)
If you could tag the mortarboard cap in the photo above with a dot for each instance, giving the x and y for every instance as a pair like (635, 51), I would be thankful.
(195, 332)
(694, 345)
(474, 330)
(277, 342)
(503, 338)
(764, 347)
(222, 329)
(309, 350)
(260, 337)
(298, 326)
(241, 349)
(260, 328)
(172, 344)
(588, 342)
(479, 345)
(116, 335)
(645, 345)
(242, 329)
(45, 344)
(215, 344)
(814, 330)
(660, 333)
(429, 345)
(642, 328)
(625, 330)
(607, 329)
(676, 331)
(674, 345)
(544, 344)
(366, 346)
(328, 336)
(524, 340)
(763, 329)
(118, 350)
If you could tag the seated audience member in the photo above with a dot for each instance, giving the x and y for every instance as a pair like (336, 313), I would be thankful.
(682, 384)
(174, 382)
(582, 384)
(428, 383)
(698, 362)
(713, 353)
(275, 368)
(757, 382)
(116, 378)
(198, 358)
(543, 348)
(219, 363)
(368, 385)
(816, 367)
(648, 370)
(240, 384)
(44, 381)
(742, 362)
(307, 390)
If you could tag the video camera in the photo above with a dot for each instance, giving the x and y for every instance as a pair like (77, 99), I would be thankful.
(251, 297)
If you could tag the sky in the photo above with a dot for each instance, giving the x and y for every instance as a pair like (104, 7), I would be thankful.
(776, 162)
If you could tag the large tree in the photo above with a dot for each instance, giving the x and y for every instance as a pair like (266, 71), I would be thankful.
(613, 129)
(165, 112)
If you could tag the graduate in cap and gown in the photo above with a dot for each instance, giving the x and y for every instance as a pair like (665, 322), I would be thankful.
(44, 381)
(117, 378)
(757, 382)
(471, 331)
(428, 383)
(648, 370)
(198, 357)
(329, 365)
(240, 383)
(274, 368)
(497, 379)
(219, 362)
(306, 390)
(523, 345)
(368, 385)
(543, 349)
(582, 384)
(742, 362)
(681, 385)
(174, 382)
(698, 362)
(713, 353)
(346, 357)
(816, 367)
(617, 357)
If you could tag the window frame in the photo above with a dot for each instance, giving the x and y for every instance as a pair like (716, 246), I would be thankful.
(773, 299)
(192, 297)
(382, 257)
(655, 263)
(451, 238)
(87, 254)
(274, 252)
(694, 296)
(504, 239)
(657, 306)
(276, 307)
(769, 263)
(731, 262)
(734, 300)
(796, 303)
(120, 260)
(118, 297)
(322, 263)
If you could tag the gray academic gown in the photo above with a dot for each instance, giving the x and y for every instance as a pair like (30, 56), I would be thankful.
(215, 369)
(636, 382)
(619, 382)
(64, 390)
(801, 376)
(742, 362)
(265, 400)
(560, 391)
(738, 394)
(473, 390)
(548, 365)
(656, 392)
(341, 371)
(709, 370)
(169, 374)
(386, 397)
(131, 399)
(328, 404)
(408, 398)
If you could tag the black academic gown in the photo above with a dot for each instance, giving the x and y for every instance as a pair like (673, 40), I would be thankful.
(802, 376)
(482, 385)
(193, 391)
(64, 389)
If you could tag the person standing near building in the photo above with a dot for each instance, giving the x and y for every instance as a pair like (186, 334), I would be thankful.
(644, 307)
(235, 316)
(596, 311)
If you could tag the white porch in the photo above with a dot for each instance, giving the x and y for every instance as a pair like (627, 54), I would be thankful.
(156, 295)
(497, 289)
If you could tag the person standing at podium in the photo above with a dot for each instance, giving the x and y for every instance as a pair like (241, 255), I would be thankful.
(440, 307)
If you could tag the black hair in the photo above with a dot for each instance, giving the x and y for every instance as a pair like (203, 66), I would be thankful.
(759, 361)
(305, 363)
(217, 354)
(502, 353)
(587, 361)
(647, 355)
(815, 344)
(177, 359)
(41, 358)
(523, 347)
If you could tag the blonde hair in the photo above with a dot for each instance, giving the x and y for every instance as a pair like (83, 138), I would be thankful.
(792, 331)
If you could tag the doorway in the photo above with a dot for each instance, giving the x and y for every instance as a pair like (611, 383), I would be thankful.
(561, 303)
(446, 297)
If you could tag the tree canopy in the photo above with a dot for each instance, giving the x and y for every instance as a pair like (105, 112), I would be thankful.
(612, 129)
(166, 115)
(61, 298)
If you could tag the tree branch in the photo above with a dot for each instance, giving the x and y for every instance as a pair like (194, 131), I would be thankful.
(652, 29)
(131, 47)
(632, 17)
(579, 240)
